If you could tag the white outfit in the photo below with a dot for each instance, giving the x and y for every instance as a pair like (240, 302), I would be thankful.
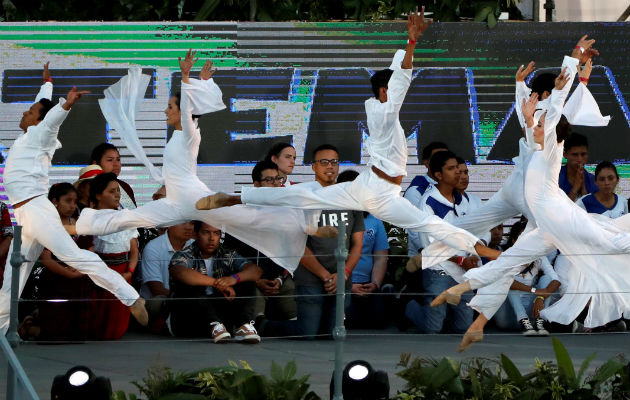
(26, 177)
(593, 206)
(586, 241)
(388, 152)
(282, 239)
(113, 243)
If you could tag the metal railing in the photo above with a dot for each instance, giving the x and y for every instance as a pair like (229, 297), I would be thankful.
(19, 386)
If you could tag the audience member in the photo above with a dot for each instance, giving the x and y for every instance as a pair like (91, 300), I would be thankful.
(417, 188)
(6, 235)
(283, 155)
(605, 201)
(446, 202)
(64, 320)
(367, 307)
(86, 174)
(316, 276)
(574, 179)
(474, 201)
(154, 275)
(110, 318)
(275, 290)
(216, 287)
(108, 157)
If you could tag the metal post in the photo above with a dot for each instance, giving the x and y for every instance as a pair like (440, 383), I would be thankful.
(16, 263)
(339, 333)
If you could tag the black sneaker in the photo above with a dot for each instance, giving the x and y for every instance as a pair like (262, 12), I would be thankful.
(528, 329)
(540, 327)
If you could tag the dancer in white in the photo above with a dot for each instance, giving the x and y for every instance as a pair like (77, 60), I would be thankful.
(377, 189)
(561, 224)
(285, 244)
(26, 184)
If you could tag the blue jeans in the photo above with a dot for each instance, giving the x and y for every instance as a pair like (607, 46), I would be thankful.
(433, 319)
(519, 305)
(315, 314)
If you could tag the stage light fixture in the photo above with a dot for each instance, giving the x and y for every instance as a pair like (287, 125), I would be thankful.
(361, 382)
(80, 383)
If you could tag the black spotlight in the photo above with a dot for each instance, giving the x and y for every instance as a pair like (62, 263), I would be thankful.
(361, 382)
(80, 383)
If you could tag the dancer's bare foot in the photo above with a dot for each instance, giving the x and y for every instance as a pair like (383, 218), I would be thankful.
(217, 200)
(326, 232)
(452, 295)
(71, 229)
(414, 264)
(139, 312)
(487, 252)
(469, 338)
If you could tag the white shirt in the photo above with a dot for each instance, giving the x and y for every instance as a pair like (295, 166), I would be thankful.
(592, 205)
(543, 263)
(26, 170)
(156, 257)
(387, 144)
(114, 243)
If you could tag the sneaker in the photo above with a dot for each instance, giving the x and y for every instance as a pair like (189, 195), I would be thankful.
(219, 333)
(247, 334)
(616, 326)
(528, 329)
(540, 327)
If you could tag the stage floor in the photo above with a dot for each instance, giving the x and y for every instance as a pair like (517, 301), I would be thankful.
(127, 359)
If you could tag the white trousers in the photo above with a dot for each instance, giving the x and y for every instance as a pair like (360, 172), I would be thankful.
(368, 193)
(42, 228)
(278, 233)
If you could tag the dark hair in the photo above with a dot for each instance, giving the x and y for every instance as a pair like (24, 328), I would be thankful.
(439, 159)
(515, 232)
(603, 165)
(542, 83)
(47, 105)
(347, 176)
(429, 148)
(99, 151)
(324, 147)
(60, 189)
(276, 149)
(380, 79)
(198, 225)
(260, 167)
(574, 140)
(460, 160)
(99, 184)
(1, 159)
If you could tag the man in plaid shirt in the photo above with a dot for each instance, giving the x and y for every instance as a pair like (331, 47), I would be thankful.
(217, 288)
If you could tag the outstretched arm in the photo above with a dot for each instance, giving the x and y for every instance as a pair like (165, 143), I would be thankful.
(416, 25)
(522, 91)
(45, 92)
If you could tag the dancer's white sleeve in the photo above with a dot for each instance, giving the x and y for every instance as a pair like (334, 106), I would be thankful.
(522, 93)
(45, 92)
(556, 104)
(201, 97)
(582, 109)
(44, 135)
(120, 108)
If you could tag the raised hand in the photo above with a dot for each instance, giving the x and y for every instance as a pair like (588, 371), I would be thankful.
(585, 72)
(186, 65)
(562, 79)
(588, 52)
(46, 74)
(73, 96)
(207, 71)
(523, 72)
(416, 24)
(529, 107)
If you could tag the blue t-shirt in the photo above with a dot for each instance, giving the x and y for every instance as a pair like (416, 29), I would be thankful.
(589, 181)
(374, 238)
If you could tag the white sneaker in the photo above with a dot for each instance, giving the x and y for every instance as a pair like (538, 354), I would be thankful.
(219, 333)
(540, 327)
(247, 334)
(528, 329)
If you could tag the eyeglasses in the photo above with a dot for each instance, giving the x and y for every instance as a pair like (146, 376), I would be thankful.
(272, 179)
(324, 161)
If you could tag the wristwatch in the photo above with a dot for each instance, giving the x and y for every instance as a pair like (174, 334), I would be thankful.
(533, 290)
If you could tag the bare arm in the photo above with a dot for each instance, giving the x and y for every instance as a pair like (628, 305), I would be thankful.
(416, 25)
(356, 245)
(250, 273)
(157, 288)
(380, 267)
(190, 277)
(133, 259)
(310, 262)
(56, 267)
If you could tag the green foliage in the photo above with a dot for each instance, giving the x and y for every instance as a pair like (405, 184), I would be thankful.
(487, 379)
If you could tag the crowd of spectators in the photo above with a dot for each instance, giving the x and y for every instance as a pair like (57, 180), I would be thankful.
(200, 282)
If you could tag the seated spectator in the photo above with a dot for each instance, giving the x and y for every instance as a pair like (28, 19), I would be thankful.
(108, 157)
(316, 276)
(275, 290)
(110, 318)
(155, 279)
(446, 202)
(605, 201)
(217, 288)
(283, 155)
(86, 174)
(574, 179)
(62, 320)
(530, 292)
(6, 235)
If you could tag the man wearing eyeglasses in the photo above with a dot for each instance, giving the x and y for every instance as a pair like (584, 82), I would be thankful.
(265, 174)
